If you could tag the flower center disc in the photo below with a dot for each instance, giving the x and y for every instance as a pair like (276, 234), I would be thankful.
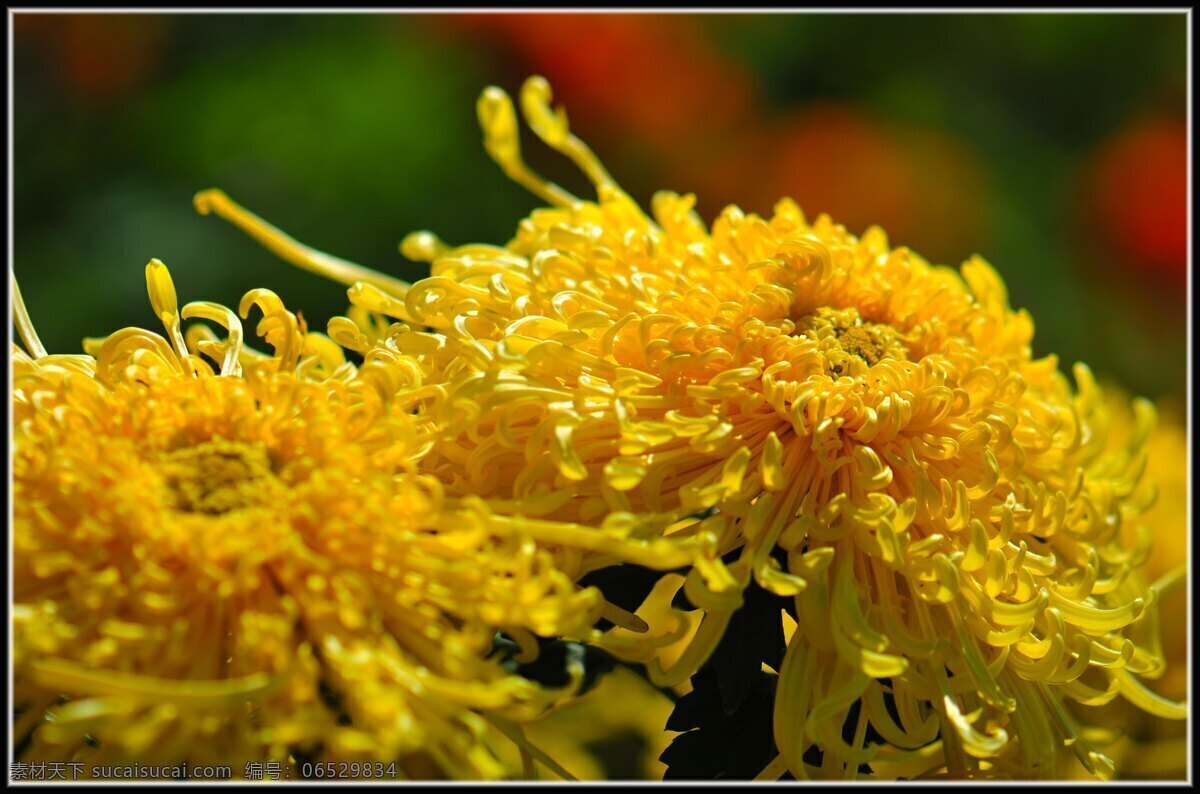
(219, 477)
(849, 344)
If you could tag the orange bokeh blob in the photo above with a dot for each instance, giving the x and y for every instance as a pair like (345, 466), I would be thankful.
(924, 186)
(652, 76)
(1138, 185)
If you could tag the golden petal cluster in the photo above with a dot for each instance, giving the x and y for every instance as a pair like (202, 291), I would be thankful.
(858, 429)
(223, 555)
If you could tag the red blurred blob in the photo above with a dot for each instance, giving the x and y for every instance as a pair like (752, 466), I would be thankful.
(1139, 194)
(651, 76)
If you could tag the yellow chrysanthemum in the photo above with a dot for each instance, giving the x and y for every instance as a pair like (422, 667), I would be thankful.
(245, 564)
(961, 542)
(1150, 746)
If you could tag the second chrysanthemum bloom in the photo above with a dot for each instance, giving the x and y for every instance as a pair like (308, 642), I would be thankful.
(229, 556)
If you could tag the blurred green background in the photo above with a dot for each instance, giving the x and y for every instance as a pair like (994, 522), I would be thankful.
(1052, 144)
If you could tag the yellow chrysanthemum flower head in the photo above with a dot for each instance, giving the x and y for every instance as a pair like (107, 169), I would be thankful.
(223, 556)
(865, 432)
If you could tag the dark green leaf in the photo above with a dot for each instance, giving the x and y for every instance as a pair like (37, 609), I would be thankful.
(754, 636)
(721, 746)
